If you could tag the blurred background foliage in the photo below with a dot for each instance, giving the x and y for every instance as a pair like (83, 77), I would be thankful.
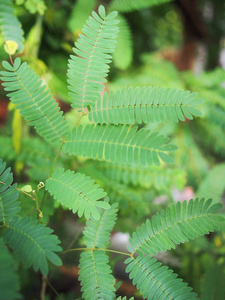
(178, 44)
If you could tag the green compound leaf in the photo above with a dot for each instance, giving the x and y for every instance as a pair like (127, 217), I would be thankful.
(35, 103)
(119, 144)
(95, 276)
(9, 280)
(123, 54)
(97, 233)
(129, 5)
(177, 224)
(10, 27)
(144, 105)
(161, 179)
(77, 192)
(213, 283)
(88, 69)
(9, 206)
(156, 281)
(33, 242)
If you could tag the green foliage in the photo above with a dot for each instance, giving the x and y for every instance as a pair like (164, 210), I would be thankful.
(28, 205)
(37, 156)
(34, 101)
(33, 242)
(128, 154)
(213, 284)
(33, 6)
(9, 206)
(77, 192)
(7, 152)
(95, 276)
(9, 280)
(123, 54)
(212, 184)
(156, 281)
(138, 105)
(129, 5)
(154, 71)
(80, 13)
(129, 198)
(10, 28)
(149, 177)
(119, 144)
(124, 298)
(212, 127)
(177, 224)
(87, 70)
(97, 233)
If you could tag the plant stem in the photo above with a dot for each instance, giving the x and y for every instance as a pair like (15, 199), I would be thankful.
(37, 206)
(10, 56)
(20, 190)
(96, 249)
(43, 289)
(83, 114)
(57, 155)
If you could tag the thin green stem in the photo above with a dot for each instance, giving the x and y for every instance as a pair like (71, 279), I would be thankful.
(20, 190)
(44, 282)
(95, 249)
(78, 121)
(55, 160)
(37, 205)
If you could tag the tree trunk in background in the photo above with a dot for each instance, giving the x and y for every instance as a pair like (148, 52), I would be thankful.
(194, 31)
(216, 28)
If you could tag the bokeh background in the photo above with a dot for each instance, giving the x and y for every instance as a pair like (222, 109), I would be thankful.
(178, 44)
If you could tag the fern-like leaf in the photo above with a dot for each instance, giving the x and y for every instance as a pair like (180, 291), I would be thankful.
(88, 69)
(156, 281)
(95, 276)
(144, 105)
(9, 281)
(119, 144)
(9, 206)
(10, 27)
(146, 177)
(77, 192)
(129, 5)
(123, 54)
(213, 287)
(97, 233)
(177, 224)
(35, 103)
(118, 193)
(33, 242)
